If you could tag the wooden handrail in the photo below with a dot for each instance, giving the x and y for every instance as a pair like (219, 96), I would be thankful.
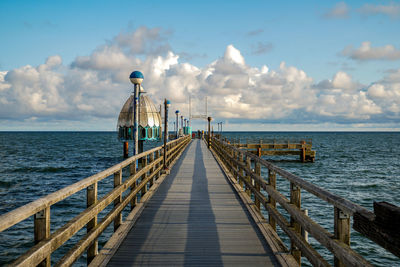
(45, 246)
(337, 201)
(19, 214)
(333, 242)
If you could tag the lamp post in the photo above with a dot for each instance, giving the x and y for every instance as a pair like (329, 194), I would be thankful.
(209, 133)
(136, 78)
(167, 104)
(177, 123)
(182, 123)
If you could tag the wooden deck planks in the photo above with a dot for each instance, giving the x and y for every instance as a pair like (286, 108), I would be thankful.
(194, 219)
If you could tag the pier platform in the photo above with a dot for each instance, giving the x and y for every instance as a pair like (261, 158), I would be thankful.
(194, 219)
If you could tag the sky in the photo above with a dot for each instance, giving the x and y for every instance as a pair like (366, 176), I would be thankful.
(261, 65)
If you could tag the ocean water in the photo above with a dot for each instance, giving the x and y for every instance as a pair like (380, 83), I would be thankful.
(362, 167)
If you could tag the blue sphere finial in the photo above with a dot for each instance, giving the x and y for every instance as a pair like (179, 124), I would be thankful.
(136, 77)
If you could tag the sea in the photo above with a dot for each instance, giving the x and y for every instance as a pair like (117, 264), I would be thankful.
(361, 166)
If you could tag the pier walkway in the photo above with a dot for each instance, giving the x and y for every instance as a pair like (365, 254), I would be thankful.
(195, 218)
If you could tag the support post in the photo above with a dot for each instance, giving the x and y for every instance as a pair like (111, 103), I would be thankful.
(303, 151)
(117, 182)
(42, 231)
(157, 175)
(257, 168)
(152, 169)
(91, 199)
(295, 199)
(304, 233)
(144, 176)
(272, 202)
(126, 149)
(241, 174)
(248, 178)
(132, 172)
(235, 156)
(341, 231)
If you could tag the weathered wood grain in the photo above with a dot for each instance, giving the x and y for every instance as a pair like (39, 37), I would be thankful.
(194, 219)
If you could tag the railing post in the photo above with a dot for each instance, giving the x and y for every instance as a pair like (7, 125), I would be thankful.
(132, 172)
(91, 199)
(295, 199)
(152, 169)
(157, 165)
(42, 230)
(169, 147)
(257, 168)
(117, 182)
(342, 230)
(235, 156)
(248, 177)
(144, 176)
(231, 161)
(241, 170)
(272, 202)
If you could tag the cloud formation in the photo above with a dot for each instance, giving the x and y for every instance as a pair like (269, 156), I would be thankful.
(366, 52)
(262, 48)
(340, 11)
(95, 86)
(392, 10)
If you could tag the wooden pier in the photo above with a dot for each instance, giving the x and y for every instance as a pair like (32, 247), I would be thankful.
(302, 148)
(194, 219)
(214, 208)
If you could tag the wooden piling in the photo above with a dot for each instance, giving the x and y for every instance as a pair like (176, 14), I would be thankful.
(303, 151)
(126, 149)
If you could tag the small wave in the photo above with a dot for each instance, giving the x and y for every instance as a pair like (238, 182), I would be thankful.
(37, 169)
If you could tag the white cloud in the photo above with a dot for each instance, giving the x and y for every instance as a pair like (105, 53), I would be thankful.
(391, 10)
(386, 93)
(366, 52)
(340, 10)
(341, 81)
(95, 86)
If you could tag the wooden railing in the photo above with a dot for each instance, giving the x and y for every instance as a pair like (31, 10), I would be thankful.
(245, 168)
(140, 179)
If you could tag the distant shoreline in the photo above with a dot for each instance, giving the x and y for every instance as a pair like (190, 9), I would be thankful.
(195, 130)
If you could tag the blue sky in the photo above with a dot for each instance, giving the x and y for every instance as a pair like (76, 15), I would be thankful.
(339, 59)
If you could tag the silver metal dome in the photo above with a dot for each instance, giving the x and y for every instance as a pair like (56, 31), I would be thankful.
(149, 116)
(149, 120)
